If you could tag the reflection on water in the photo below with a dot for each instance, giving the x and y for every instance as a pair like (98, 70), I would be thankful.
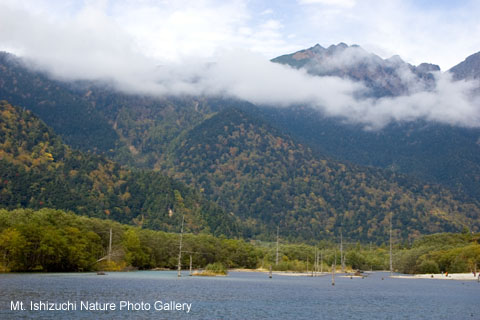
(241, 295)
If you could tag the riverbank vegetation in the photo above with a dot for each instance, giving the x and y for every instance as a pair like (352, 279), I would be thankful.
(50, 240)
(54, 240)
(447, 252)
(213, 270)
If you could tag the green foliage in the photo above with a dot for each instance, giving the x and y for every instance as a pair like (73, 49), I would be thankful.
(294, 257)
(357, 260)
(428, 266)
(53, 240)
(433, 152)
(12, 244)
(463, 259)
(80, 123)
(267, 179)
(441, 252)
(216, 268)
(136, 255)
(37, 241)
(292, 265)
(252, 171)
(37, 170)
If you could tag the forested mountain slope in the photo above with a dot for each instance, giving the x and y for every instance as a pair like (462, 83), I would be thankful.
(265, 167)
(433, 152)
(37, 170)
(268, 179)
(79, 123)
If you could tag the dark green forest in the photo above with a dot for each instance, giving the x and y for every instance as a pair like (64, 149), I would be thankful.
(230, 170)
(80, 123)
(256, 177)
(37, 170)
(431, 151)
(439, 154)
(268, 179)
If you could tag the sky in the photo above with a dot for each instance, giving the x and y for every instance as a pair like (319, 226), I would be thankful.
(224, 47)
(443, 32)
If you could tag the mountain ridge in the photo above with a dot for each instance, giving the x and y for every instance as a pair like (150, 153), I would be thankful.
(384, 77)
(164, 134)
(402, 146)
(468, 69)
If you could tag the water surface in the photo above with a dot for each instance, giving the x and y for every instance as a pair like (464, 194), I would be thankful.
(241, 295)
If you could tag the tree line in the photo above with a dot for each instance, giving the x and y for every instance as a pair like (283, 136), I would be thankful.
(57, 241)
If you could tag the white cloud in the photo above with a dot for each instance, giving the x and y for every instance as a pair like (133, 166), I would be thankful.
(193, 48)
(440, 33)
(450, 102)
(90, 45)
(339, 3)
(267, 11)
(436, 34)
(185, 28)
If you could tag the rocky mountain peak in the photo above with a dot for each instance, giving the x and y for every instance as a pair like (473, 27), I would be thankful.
(467, 69)
(385, 77)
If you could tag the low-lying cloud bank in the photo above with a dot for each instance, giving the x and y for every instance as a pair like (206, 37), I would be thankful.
(93, 47)
(250, 77)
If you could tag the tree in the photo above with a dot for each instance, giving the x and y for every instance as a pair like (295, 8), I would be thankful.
(12, 244)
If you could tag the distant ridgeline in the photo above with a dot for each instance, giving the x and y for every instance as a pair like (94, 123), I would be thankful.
(256, 174)
(37, 170)
(431, 151)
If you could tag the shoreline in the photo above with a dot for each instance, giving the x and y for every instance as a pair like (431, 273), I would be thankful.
(435, 276)
(282, 273)
(439, 276)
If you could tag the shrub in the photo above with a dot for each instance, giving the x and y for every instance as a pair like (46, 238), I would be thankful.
(428, 266)
(216, 268)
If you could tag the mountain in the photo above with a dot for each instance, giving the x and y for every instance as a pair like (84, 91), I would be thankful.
(433, 152)
(254, 163)
(134, 129)
(468, 69)
(385, 77)
(268, 179)
(79, 122)
(37, 170)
